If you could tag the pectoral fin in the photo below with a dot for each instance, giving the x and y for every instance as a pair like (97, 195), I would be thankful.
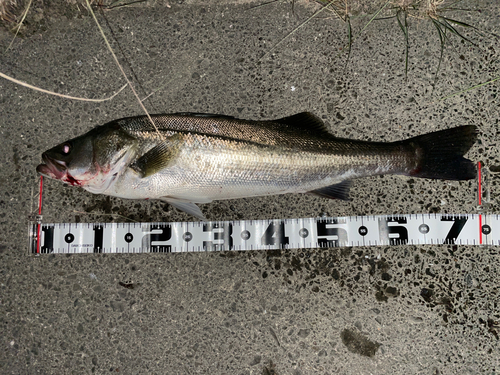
(188, 207)
(158, 158)
(337, 191)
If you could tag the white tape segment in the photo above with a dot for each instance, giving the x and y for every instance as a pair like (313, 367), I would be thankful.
(416, 229)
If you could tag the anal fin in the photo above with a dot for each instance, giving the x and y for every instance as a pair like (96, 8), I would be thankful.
(337, 191)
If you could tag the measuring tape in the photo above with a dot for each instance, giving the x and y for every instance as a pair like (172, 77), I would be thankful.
(415, 229)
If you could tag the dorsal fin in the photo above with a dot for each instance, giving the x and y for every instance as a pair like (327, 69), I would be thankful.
(205, 115)
(306, 121)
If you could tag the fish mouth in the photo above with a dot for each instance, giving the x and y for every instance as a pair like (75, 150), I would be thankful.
(56, 169)
(52, 168)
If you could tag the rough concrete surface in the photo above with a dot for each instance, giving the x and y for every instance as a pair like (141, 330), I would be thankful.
(372, 310)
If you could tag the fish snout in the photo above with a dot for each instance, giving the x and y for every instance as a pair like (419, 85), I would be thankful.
(52, 168)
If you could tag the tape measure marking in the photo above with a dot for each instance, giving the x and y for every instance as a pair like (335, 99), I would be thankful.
(414, 229)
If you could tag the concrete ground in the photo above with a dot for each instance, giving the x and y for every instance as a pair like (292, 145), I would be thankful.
(372, 310)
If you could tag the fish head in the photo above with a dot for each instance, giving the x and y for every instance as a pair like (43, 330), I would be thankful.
(70, 162)
(92, 161)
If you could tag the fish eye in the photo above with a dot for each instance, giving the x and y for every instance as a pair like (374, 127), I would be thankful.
(66, 148)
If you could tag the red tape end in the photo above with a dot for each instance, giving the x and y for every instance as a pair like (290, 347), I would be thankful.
(39, 213)
(479, 196)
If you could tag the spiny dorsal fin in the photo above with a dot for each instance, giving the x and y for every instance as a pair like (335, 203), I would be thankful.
(205, 115)
(337, 191)
(306, 121)
(158, 158)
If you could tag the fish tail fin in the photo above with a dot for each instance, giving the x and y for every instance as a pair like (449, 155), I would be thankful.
(440, 154)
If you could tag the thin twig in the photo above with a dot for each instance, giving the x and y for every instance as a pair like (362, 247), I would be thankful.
(357, 36)
(119, 66)
(404, 28)
(294, 30)
(122, 51)
(263, 4)
(112, 6)
(470, 88)
(25, 13)
(60, 95)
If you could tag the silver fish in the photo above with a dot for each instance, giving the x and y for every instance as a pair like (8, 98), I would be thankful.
(197, 158)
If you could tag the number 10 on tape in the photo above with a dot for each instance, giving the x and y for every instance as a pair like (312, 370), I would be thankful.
(417, 229)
